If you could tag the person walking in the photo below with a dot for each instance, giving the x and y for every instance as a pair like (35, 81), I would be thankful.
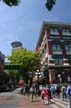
(68, 92)
(52, 89)
(32, 92)
(63, 91)
(47, 96)
(43, 93)
(58, 91)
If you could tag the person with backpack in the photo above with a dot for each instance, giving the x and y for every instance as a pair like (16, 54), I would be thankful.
(68, 92)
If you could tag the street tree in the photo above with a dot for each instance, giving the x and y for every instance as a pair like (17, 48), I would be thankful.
(28, 61)
(11, 2)
(49, 3)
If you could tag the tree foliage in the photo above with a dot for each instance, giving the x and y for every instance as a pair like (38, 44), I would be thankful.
(25, 58)
(28, 61)
(11, 2)
(49, 4)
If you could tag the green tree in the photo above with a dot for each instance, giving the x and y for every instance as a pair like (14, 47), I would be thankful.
(49, 4)
(11, 2)
(28, 61)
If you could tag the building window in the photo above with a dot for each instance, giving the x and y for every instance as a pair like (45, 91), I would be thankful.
(54, 31)
(66, 32)
(56, 47)
(58, 59)
(54, 36)
(68, 47)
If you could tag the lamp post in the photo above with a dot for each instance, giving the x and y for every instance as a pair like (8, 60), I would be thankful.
(38, 75)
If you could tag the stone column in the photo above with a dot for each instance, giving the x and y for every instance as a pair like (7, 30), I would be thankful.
(52, 76)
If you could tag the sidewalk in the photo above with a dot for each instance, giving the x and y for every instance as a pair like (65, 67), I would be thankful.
(16, 100)
(26, 102)
(13, 100)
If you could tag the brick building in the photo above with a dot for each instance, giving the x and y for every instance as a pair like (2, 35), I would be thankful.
(54, 45)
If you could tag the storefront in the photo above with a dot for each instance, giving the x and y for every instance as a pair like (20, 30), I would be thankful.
(58, 74)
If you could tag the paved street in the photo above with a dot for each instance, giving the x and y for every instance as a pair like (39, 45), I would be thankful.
(16, 100)
(13, 100)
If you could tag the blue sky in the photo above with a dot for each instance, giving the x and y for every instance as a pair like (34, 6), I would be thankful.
(23, 23)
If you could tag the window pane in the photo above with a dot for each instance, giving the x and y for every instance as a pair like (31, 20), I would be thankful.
(58, 59)
(68, 46)
(66, 30)
(56, 47)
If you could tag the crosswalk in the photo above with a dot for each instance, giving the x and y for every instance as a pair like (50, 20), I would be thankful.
(58, 103)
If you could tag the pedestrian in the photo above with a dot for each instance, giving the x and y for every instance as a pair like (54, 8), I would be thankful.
(21, 83)
(58, 91)
(52, 89)
(68, 92)
(63, 91)
(24, 89)
(32, 92)
(21, 91)
(47, 96)
(39, 91)
(42, 92)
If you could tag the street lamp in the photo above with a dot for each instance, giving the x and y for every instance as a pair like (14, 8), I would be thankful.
(38, 75)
